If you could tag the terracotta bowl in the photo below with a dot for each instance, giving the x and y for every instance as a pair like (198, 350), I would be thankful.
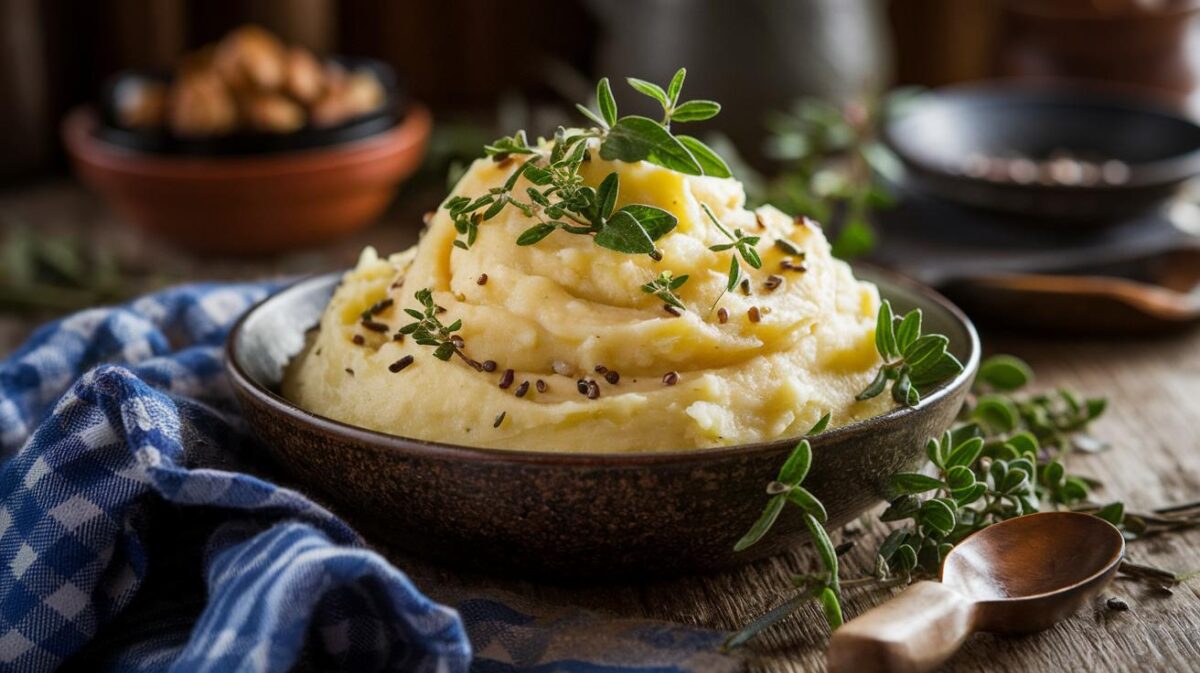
(250, 204)
(578, 515)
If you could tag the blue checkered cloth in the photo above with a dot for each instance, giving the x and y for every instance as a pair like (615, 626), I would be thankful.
(139, 533)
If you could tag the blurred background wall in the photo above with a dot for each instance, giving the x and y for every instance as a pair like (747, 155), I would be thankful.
(464, 54)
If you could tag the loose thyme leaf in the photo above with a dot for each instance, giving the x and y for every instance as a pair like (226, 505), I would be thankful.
(664, 288)
(820, 425)
(636, 138)
(1005, 372)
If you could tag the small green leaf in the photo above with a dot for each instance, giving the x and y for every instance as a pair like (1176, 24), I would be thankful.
(764, 523)
(735, 275)
(537, 175)
(655, 221)
(965, 454)
(748, 632)
(801, 497)
(591, 116)
(650, 89)
(604, 98)
(636, 138)
(875, 387)
(444, 351)
(676, 85)
(1053, 474)
(831, 607)
(903, 507)
(969, 495)
(1023, 443)
(1113, 513)
(820, 425)
(891, 544)
(959, 478)
(710, 162)
(1005, 372)
(606, 194)
(925, 352)
(908, 330)
(824, 545)
(696, 110)
(936, 453)
(885, 334)
(945, 368)
(902, 390)
(1095, 406)
(906, 557)
(912, 483)
(795, 468)
(535, 233)
(937, 516)
(998, 413)
(623, 233)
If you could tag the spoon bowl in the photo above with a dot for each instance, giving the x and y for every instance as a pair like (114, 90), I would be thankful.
(1018, 576)
(1027, 573)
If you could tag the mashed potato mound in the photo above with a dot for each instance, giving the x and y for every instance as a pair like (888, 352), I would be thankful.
(565, 310)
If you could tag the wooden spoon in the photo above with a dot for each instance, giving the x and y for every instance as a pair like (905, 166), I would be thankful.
(1016, 576)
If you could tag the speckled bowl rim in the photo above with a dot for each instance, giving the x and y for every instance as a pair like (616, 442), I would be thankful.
(440, 450)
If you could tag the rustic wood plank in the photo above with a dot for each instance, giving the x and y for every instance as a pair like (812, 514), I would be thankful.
(1153, 385)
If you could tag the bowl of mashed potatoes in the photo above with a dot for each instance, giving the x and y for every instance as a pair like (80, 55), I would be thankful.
(575, 423)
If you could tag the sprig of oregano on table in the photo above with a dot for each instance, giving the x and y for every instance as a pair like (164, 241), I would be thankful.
(558, 197)
(990, 466)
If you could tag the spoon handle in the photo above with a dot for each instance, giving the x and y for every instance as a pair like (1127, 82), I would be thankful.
(914, 632)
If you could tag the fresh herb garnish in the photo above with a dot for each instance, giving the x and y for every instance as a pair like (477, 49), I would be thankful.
(739, 241)
(428, 330)
(664, 288)
(991, 466)
(911, 360)
(558, 197)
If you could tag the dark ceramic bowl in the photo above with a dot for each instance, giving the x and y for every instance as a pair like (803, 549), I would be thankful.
(576, 515)
(935, 133)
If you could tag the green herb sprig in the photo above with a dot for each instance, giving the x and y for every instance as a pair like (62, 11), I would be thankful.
(739, 241)
(428, 330)
(558, 197)
(912, 361)
(664, 288)
(786, 488)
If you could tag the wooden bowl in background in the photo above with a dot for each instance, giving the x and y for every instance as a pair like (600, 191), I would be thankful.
(250, 204)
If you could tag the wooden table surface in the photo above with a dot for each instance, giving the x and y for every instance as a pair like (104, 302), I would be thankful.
(1153, 423)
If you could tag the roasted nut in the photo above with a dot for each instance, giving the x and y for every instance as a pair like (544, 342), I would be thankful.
(201, 105)
(140, 103)
(251, 58)
(272, 113)
(305, 77)
(364, 93)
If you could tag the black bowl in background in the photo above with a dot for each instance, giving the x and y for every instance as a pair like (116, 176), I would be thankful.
(244, 143)
(934, 133)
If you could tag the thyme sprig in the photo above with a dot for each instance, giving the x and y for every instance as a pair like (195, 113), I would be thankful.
(912, 360)
(558, 196)
(428, 330)
(664, 288)
(739, 241)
